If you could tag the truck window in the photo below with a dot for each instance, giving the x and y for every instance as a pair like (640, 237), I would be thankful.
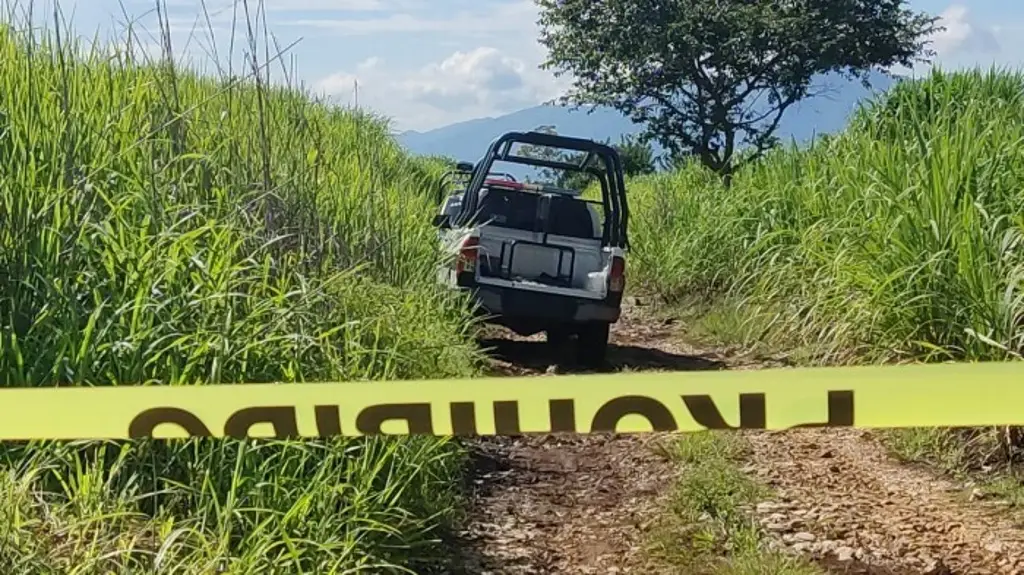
(570, 217)
(518, 210)
(508, 209)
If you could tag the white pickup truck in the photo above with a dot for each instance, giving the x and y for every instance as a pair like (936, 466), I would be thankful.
(537, 257)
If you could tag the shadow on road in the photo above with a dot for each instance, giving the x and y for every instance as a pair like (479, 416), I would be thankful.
(501, 468)
(539, 355)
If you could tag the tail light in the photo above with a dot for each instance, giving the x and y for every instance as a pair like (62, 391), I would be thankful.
(468, 255)
(617, 277)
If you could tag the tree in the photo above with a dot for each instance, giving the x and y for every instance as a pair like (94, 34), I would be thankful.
(709, 77)
(637, 156)
(543, 153)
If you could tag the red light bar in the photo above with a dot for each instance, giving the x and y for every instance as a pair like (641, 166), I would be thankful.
(523, 186)
(503, 184)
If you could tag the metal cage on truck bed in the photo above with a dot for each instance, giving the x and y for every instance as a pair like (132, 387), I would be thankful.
(614, 231)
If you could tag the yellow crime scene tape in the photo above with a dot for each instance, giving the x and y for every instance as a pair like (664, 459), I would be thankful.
(933, 395)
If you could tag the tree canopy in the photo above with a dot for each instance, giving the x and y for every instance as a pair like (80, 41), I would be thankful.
(707, 77)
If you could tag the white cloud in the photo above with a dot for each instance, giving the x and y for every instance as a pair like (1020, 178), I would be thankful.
(963, 34)
(327, 5)
(482, 77)
(279, 6)
(437, 62)
(338, 85)
(479, 82)
(514, 17)
(342, 85)
(491, 70)
(276, 5)
(368, 64)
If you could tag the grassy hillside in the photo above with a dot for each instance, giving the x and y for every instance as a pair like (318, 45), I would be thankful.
(159, 228)
(899, 237)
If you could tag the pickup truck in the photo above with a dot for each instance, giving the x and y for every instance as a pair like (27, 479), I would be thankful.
(538, 257)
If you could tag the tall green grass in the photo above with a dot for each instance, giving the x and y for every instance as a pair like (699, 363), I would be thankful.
(159, 227)
(900, 237)
(707, 528)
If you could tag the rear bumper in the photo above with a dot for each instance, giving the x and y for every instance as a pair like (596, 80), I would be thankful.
(517, 305)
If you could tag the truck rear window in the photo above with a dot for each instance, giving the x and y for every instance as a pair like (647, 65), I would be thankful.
(518, 210)
(508, 209)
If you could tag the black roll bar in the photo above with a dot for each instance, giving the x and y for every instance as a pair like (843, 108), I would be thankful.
(613, 186)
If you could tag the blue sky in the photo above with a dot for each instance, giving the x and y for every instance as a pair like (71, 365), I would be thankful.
(427, 63)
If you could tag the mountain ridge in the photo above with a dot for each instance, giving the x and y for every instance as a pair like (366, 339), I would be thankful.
(468, 139)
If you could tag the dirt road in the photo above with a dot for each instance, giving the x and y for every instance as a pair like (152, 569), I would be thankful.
(841, 497)
(578, 505)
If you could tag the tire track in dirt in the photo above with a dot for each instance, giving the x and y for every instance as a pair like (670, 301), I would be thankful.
(572, 504)
(583, 504)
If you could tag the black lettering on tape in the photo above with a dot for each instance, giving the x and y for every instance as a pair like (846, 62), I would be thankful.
(417, 416)
(328, 420)
(506, 418)
(840, 410)
(608, 415)
(562, 413)
(143, 424)
(704, 411)
(281, 417)
(463, 418)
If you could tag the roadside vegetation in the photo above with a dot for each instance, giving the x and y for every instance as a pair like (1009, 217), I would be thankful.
(898, 239)
(707, 528)
(159, 227)
(162, 228)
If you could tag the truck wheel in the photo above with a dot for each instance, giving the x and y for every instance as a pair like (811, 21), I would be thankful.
(592, 347)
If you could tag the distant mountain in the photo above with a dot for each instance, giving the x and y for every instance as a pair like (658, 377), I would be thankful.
(468, 140)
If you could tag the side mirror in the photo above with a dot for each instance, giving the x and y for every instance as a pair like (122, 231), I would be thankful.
(464, 166)
(442, 221)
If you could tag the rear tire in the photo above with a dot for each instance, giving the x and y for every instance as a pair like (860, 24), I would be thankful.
(592, 347)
